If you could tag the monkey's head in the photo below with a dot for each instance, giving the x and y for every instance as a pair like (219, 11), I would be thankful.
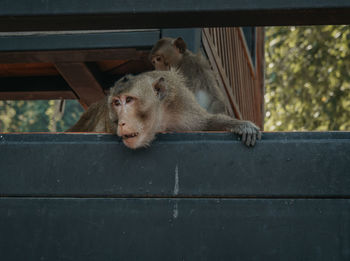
(167, 52)
(134, 104)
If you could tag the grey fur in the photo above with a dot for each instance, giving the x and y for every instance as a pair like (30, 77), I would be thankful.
(177, 110)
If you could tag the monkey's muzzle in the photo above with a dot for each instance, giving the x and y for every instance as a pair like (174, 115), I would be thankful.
(131, 135)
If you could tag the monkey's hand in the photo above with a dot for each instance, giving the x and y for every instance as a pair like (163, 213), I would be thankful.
(249, 132)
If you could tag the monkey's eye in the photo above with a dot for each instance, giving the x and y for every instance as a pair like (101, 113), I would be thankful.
(158, 59)
(129, 99)
(116, 102)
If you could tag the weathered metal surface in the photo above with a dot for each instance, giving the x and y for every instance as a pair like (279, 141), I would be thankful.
(194, 196)
(35, 15)
(192, 164)
(78, 40)
(174, 229)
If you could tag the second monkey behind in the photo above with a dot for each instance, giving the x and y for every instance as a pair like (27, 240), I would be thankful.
(199, 76)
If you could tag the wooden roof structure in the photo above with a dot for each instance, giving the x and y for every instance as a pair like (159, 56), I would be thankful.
(75, 64)
(70, 65)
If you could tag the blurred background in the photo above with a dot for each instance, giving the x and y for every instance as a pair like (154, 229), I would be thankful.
(307, 78)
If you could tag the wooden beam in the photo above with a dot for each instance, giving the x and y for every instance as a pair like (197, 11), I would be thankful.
(132, 66)
(36, 15)
(27, 69)
(260, 75)
(70, 55)
(82, 81)
(38, 95)
(246, 51)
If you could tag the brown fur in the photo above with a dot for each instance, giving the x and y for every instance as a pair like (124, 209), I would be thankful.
(152, 102)
(164, 97)
(199, 76)
(95, 119)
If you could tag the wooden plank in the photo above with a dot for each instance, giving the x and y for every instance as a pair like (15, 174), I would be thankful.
(27, 69)
(82, 81)
(174, 229)
(38, 15)
(260, 79)
(70, 55)
(292, 165)
(38, 95)
(107, 66)
(132, 66)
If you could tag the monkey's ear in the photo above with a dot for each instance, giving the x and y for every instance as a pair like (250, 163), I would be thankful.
(159, 88)
(180, 44)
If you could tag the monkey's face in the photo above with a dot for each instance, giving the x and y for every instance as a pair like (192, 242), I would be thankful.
(137, 111)
(166, 57)
(167, 52)
(159, 63)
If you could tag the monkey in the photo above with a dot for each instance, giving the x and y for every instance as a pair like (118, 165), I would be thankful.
(140, 106)
(200, 78)
(159, 101)
(95, 119)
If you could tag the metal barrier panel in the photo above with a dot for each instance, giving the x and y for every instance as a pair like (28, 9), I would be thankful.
(194, 196)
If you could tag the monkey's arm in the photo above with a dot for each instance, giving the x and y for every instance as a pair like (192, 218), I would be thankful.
(191, 116)
(249, 131)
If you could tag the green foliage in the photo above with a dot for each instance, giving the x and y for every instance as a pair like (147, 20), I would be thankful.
(307, 78)
(38, 116)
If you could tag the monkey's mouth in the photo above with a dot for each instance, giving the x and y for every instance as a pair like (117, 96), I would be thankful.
(129, 136)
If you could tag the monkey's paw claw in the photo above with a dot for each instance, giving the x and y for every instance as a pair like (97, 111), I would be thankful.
(249, 132)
